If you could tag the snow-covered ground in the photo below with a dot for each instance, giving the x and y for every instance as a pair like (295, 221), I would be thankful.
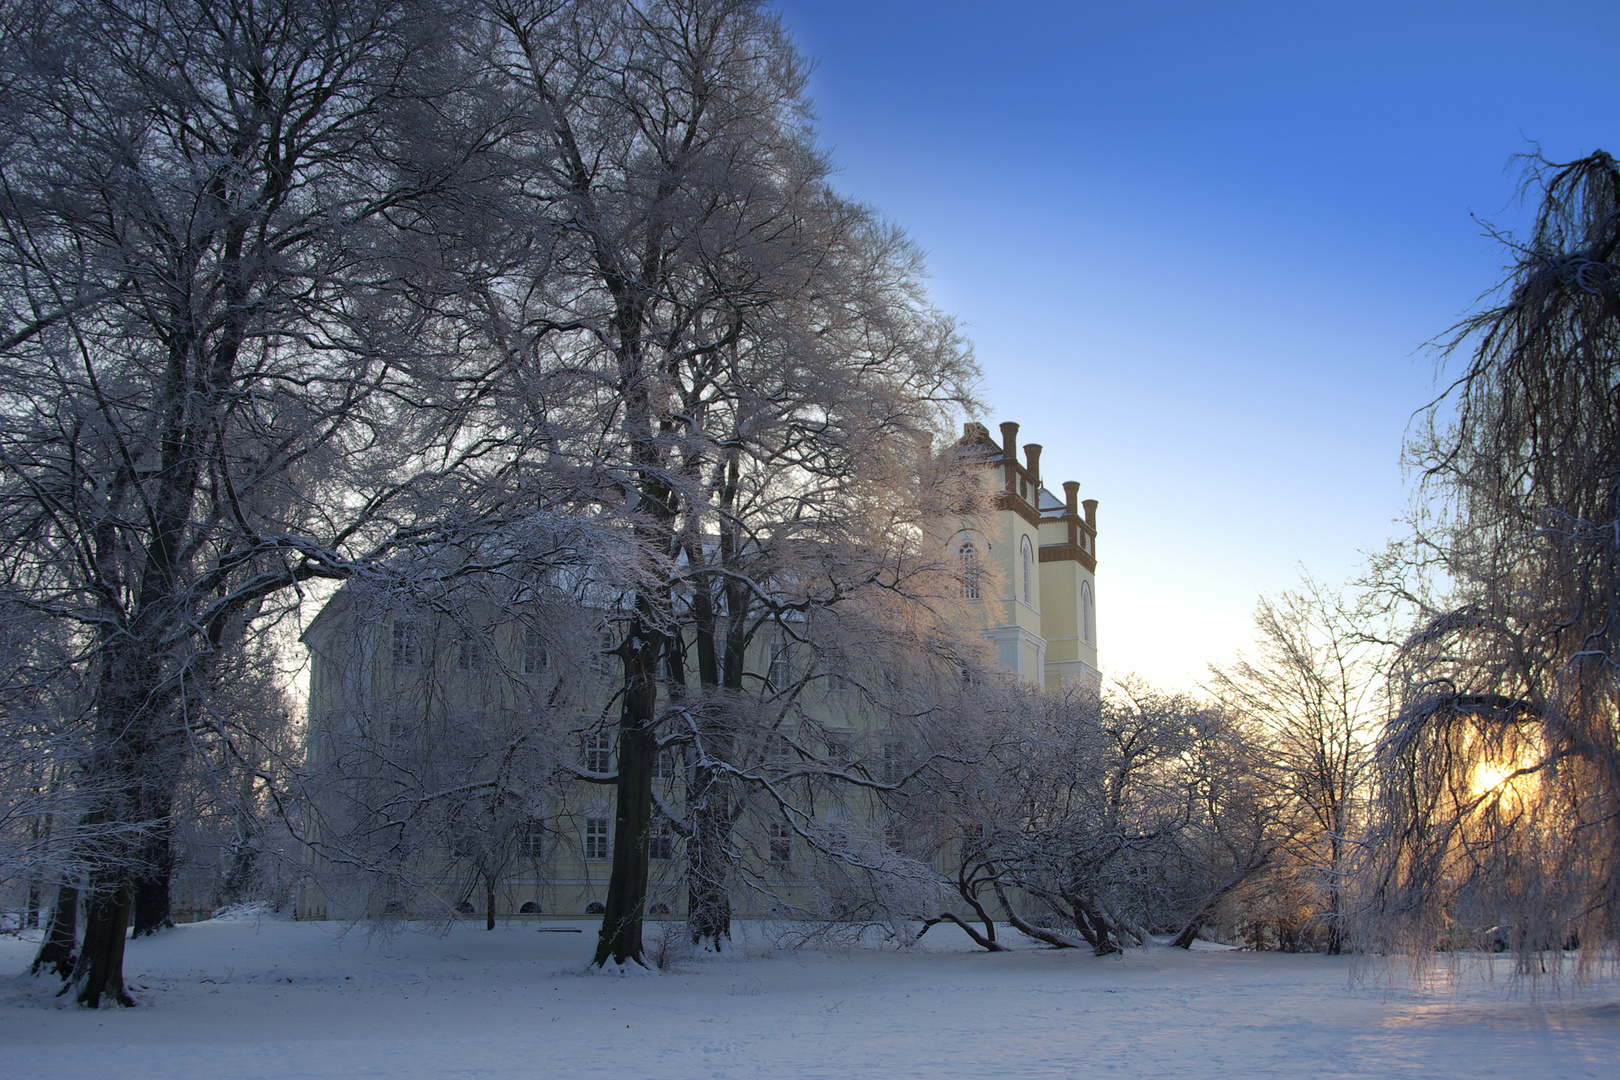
(290, 1000)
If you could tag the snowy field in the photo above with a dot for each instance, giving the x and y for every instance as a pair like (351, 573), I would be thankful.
(292, 1000)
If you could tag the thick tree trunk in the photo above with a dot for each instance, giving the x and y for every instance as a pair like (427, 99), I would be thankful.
(152, 881)
(708, 854)
(620, 939)
(708, 800)
(100, 971)
(57, 950)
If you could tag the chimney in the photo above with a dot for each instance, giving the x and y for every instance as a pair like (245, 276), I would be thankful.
(1071, 495)
(1091, 513)
(1009, 439)
(1032, 454)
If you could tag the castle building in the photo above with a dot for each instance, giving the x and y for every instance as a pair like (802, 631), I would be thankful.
(404, 701)
(1038, 553)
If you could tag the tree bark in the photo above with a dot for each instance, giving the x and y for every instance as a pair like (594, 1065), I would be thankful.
(152, 882)
(1039, 933)
(57, 950)
(100, 971)
(620, 939)
(709, 859)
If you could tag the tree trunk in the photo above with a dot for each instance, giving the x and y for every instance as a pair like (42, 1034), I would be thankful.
(620, 939)
(489, 904)
(100, 970)
(152, 881)
(708, 854)
(1039, 933)
(56, 951)
(990, 943)
(1184, 939)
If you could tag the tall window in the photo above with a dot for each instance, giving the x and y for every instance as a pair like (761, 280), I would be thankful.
(599, 752)
(596, 838)
(894, 761)
(1085, 611)
(781, 665)
(472, 649)
(970, 571)
(532, 840)
(406, 642)
(781, 843)
(660, 841)
(1029, 572)
(664, 764)
(534, 652)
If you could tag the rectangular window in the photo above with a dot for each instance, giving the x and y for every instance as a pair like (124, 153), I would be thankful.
(472, 651)
(664, 765)
(463, 841)
(840, 745)
(599, 752)
(596, 838)
(781, 669)
(397, 734)
(894, 761)
(406, 642)
(836, 683)
(532, 839)
(660, 841)
(535, 660)
(781, 843)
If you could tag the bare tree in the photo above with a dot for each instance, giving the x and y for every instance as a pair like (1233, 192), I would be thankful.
(1312, 693)
(220, 379)
(1089, 811)
(1500, 819)
(732, 350)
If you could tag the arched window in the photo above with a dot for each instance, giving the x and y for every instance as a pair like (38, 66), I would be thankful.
(1029, 572)
(970, 571)
(1085, 611)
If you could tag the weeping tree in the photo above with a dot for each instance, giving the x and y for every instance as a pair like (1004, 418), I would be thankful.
(1500, 807)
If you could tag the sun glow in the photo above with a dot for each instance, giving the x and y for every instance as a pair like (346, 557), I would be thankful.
(1498, 776)
(1490, 776)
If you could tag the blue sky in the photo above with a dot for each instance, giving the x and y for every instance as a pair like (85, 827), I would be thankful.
(1199, 249)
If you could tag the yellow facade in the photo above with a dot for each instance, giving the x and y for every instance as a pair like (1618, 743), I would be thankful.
(1039, 554)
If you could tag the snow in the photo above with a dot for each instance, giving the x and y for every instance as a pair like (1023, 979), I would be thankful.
(254, 997)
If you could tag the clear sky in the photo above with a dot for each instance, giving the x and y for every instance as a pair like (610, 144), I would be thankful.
(1200, 248)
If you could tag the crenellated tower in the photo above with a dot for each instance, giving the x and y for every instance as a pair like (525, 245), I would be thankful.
(1039, 602)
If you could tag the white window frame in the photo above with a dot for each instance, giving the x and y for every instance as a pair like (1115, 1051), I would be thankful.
(780, 844)
(599, 751)
(598, 838)
(971, 571)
